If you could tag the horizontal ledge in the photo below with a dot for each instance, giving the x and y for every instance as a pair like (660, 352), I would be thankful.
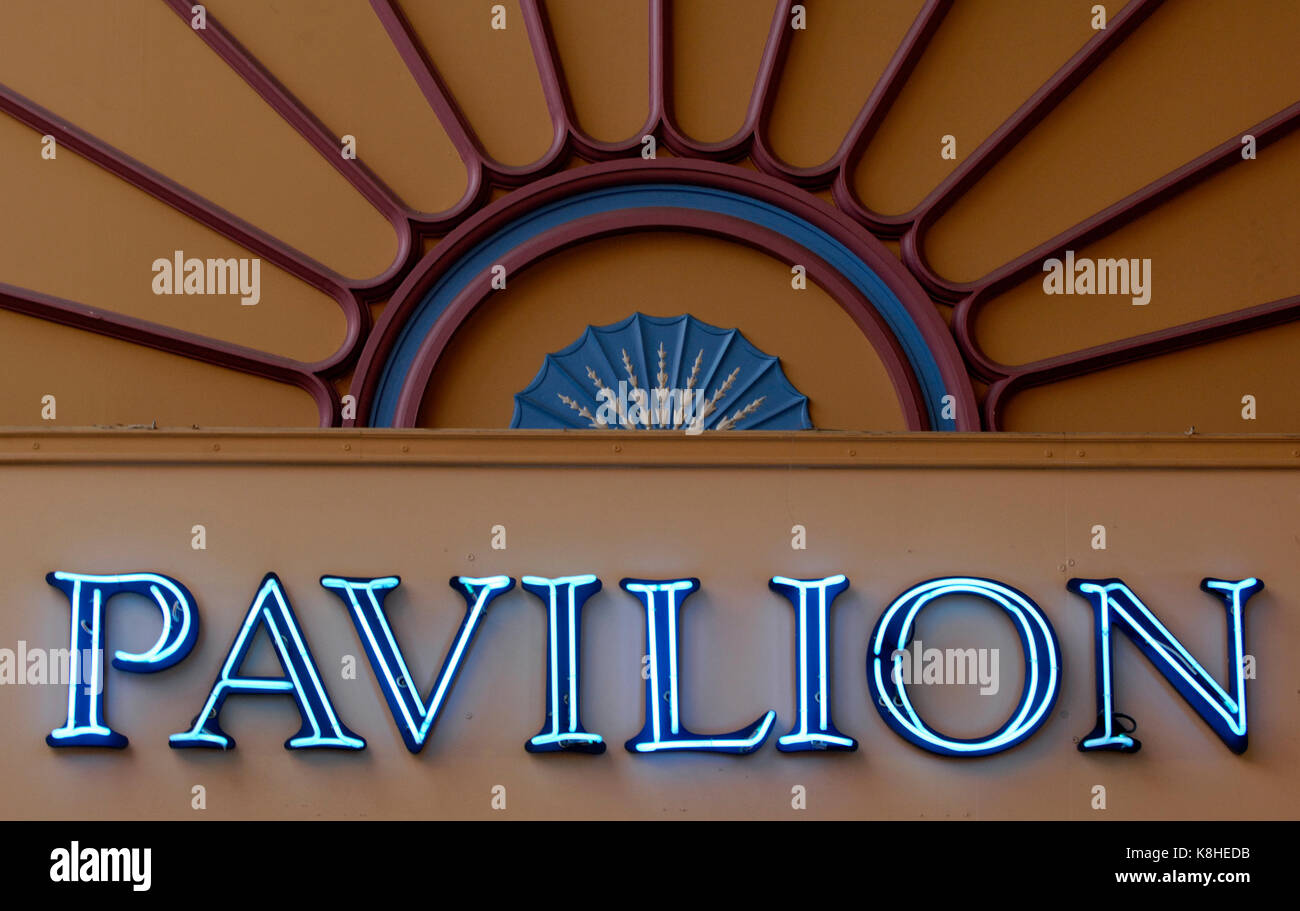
(653, 449)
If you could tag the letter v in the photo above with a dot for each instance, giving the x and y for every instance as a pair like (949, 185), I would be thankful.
(364, 599)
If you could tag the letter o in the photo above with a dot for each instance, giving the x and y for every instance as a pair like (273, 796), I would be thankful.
(1042, 666)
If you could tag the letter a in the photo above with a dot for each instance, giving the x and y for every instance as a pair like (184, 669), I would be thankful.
(321, 727)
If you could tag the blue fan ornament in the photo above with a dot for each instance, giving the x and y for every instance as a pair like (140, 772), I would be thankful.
(661, 373)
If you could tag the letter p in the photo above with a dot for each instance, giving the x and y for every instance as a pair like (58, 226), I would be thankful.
(89, 596)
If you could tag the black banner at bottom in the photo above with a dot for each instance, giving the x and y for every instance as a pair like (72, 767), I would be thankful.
(617, 862)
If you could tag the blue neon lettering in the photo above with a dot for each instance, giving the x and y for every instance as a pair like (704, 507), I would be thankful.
(85, 726)
(811, 647)
(321, 727)
(1222, 707)
(563, 730)
(1115, 604)
(364, 599)
(1042, 667)
(660, 733)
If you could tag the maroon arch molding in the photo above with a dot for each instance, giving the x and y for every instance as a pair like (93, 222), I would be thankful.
(706, 174)
(483, 174)
(669, 219)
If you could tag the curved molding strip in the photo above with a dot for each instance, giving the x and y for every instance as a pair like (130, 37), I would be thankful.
(899, 318)
(619, 197)
(174, 341)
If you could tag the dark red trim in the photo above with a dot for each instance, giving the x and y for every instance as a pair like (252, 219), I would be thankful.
(207, 213)
(1152, 344)
(1009, 378)
(559, 100)
(1044, 100)
(466, 221)
(832, 172)
(318, 136)
(630, 221)
(173, 341)
(873, 114)
(698, 173)
(737, 145)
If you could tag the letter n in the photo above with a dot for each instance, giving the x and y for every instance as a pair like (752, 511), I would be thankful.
(1116, 606)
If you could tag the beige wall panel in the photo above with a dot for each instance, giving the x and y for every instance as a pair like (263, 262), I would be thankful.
(715, 49)
(831, 68)
(886, 529)
(99, 380)
(90, 238)
(1201, 387)
(490, 73)
(336, 57)
(1224, 245)
(182, 111)
(985, 60)
(1190, 78)
(604, 57)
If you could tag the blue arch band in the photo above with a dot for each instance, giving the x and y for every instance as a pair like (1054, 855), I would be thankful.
(704, 199)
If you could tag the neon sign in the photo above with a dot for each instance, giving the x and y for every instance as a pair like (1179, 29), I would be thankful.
(320, 724)
(414, 719)
(1114, 604)
(180, 628)
(663, 730)
(565, 730)
(812, 647)
(1042, 667)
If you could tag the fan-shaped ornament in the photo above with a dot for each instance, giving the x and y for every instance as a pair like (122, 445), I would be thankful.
(661, 373)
